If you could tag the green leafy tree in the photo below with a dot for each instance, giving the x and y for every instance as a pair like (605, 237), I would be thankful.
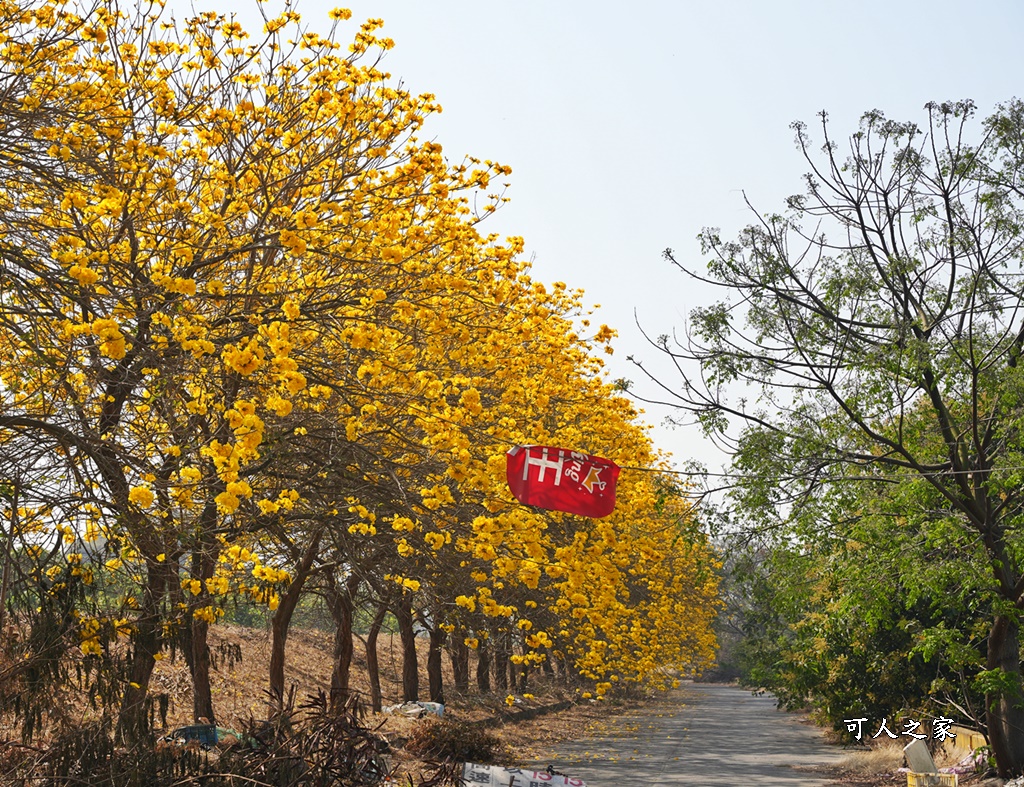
(875, 330)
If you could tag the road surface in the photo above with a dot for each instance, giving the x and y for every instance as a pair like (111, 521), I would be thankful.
(714, 735)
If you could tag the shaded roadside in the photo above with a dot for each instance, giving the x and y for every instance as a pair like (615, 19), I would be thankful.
(703, 734)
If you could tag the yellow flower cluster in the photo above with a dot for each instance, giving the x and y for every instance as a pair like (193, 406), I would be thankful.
(294, 292)
(141, 496)
(112, 341)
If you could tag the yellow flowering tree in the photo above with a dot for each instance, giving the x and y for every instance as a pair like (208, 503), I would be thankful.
(203, 214)
(252, 319)
(489, 567)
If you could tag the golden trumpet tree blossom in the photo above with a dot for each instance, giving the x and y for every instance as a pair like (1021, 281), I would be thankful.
(252, 313)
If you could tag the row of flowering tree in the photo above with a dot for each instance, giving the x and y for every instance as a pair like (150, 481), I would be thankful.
(254, 345)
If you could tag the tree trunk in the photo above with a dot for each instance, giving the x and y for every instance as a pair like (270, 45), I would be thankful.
(435, 678)
(1004, 716)
(410, 667)
(524, 668)
(203, 567)
(372, 665)
(483, 667)
(569, 674)
(282, 619)
(500, 660)
(508, 651)
(5, 579)
(133, 721)
(458, 653)
(341, 601)
(202, 692)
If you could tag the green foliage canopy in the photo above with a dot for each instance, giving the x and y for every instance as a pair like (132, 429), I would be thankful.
(863, 367)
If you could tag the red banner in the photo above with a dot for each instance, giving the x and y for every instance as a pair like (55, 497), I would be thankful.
(562, 480)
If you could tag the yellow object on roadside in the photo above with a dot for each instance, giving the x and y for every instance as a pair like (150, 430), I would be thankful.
(932, 779)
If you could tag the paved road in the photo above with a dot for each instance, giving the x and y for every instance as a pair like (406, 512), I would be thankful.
(715, 735)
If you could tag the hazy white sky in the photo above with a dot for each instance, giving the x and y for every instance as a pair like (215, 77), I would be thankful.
(630, 126)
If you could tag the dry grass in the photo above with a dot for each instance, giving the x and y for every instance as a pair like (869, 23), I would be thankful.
(881, 757)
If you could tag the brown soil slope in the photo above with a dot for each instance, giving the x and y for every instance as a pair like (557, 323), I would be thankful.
(240, 690)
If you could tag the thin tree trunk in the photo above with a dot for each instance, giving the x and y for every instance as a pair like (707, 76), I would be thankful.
(203, 567)
(202, 692)
(568, 673)
(282, 619)
(458, 653)
(435, 676)
(410, 667)
(372, 664)
(5, 579)
(500, 660)
(513, 670)
(342, 609)
(508, 651)
(524, 668)
(483, 667)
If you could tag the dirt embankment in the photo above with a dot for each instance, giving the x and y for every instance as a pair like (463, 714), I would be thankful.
(239, 682)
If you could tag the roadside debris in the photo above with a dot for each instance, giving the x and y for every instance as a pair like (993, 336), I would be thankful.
(206, 735)
(416, 709)
(475, 775)
(922, 769)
